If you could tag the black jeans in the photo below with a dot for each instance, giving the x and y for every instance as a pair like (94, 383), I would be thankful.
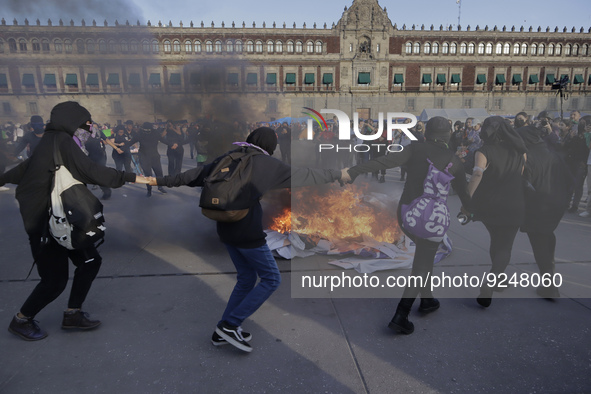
(543, 246)
(52, 266)
(501, 244)
(175, 160)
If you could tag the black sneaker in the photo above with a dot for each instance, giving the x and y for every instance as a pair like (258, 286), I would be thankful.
(27, 329)
(216, 340)
(161, 190)
(401, 324)
(233, 335)
(79, 320)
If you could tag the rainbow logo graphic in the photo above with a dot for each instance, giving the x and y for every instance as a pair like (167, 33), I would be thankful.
(317, 117)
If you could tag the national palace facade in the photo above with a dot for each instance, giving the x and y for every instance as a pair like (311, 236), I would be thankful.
(363, 63)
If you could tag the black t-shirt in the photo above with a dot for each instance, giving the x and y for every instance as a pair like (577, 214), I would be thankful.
(499, 198)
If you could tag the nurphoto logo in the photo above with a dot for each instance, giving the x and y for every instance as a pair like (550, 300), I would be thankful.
(344, 130)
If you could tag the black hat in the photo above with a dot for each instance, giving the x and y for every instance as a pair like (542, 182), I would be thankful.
(263, 137)
(438, 129)
(36, 119)
(147, 126)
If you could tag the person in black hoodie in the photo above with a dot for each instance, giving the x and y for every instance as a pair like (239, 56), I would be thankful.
(415, 156)
(31, 139)
(546, 199)
(34, 180)
(245, 239)
(148, 151)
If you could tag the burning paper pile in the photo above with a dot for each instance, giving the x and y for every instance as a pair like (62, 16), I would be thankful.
(341, 221)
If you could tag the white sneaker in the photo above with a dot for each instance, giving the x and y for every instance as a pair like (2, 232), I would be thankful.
(4, 189)
(584, 214)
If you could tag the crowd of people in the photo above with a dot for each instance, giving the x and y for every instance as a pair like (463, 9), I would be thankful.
(524, 174)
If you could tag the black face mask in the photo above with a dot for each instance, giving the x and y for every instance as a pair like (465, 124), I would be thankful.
(85, 126)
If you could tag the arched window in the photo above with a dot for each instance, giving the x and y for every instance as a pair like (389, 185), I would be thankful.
(507, 49)
(471, 48)
(258, 46)
(541, 49)
(427, 48)
(435, 48)
(22, 45)
(319, 47)
(80, 46)
(551, 50)
(218, 46)
(197, 46)
(290, 46)
(453, 48)
(35, 45)
(299, 46)
(481, 48)
(310, 47)
(585, 51)
(145, 46)
(176, 46)
(208, 46)
(12, 45)
(445, 48)
(68, 45)
(279, 47)
(463, 48)
(112, 46)
(229, 46)
(489, 48)
(45, 45)
(238, 46)
(499, 49)
(567, 49)
(558, 50)
(516, 48)
(270, 46)
(249, 46)
(155, 46)
(188, 46)
(1, 45)
(416, 49)
(576, 50)
(534, 49)
(124, 46)
(102, 46)
(133, 46)
(167, 46)
(90, 46)
(408, 48)
(524, 49)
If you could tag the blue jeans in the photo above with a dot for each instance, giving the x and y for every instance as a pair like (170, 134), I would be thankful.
(246, 298)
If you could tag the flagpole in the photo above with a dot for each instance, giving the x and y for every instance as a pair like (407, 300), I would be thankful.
(459, 2)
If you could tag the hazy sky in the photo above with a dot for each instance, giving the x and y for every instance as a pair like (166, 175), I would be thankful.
(473, 12)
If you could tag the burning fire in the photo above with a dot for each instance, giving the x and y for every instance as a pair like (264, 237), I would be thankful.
(338, 213)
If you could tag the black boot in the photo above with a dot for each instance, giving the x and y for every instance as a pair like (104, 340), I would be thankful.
(485, 297)
(26, 328)
(78, 319)
(149, 191)
(429, 305)
(161, 190)
(400, 320)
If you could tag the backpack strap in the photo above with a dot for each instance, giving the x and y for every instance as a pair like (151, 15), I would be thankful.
(57, 156)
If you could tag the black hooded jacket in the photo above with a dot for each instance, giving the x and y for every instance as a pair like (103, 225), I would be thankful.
(34, 176)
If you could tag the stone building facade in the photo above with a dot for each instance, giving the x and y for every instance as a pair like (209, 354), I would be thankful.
(363, 63)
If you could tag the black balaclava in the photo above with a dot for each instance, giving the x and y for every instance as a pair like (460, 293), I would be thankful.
(496, 129)
(263, 137)
(530, 135)
(438, 129)
(69, 116)
(147, 127)
(37, 124)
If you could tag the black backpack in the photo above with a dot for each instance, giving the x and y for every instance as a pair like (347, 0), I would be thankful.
(227, 193)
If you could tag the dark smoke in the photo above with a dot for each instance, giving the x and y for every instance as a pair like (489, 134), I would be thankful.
(76, 10)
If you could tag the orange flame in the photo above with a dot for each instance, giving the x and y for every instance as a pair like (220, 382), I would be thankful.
(337, 213)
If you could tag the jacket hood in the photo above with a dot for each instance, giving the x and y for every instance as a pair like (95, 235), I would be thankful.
(68, 116)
